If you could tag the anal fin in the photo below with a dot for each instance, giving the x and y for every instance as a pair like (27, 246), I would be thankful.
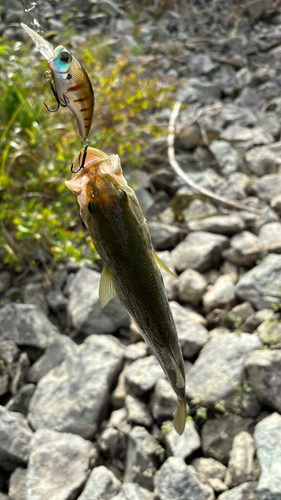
(161, 264)
(106, 288)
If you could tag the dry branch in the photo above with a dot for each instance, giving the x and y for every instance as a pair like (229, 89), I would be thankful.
(176, 167)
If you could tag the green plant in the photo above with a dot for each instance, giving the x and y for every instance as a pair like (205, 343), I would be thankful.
(166, 427)
(37, 210)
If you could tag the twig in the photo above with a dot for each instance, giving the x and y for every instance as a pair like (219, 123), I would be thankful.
(11, 242)
(176, 167)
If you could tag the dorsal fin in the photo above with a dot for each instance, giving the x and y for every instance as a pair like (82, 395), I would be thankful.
(161, 264)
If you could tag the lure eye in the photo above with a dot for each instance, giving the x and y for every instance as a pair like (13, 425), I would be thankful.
(65, 57)
(91, 207)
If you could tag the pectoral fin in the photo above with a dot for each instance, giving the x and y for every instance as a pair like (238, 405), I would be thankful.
(106, 289)
(161, 264)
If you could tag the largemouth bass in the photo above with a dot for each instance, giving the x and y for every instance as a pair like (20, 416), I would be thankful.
(117, 226)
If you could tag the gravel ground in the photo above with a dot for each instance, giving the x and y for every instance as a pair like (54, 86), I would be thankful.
(82, 399)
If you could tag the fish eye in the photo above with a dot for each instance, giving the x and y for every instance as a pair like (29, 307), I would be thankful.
(91, 207)
(65, 57)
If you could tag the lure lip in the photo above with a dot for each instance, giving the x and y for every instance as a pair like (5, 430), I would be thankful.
(46, 48)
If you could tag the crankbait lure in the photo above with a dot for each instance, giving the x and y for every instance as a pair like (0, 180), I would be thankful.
(70, 84)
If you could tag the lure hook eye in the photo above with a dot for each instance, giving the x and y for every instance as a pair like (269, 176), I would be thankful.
(81, 166)
(65, 57)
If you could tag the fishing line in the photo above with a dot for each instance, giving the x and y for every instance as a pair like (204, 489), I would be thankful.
(35, 23)
(30, 12)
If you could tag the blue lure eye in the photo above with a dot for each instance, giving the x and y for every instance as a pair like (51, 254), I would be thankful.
(65, 57)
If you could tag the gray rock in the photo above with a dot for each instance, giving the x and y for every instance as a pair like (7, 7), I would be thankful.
(27, 325)
(264, 160)
(209, 468)
(85, 310)
(198, 209)
(188, 138)
(163, 402)
(5, 281)
(244, 249)
(101, 485)
(15, 437)
(231, 114)
(250, 99)
(179, 481)
(9, 352)
(217, 484)
(33, 293)
(85, 378)
(267, 186)
(275, 203)
(202, 64)
(17, 484)
(145, 199)
(252, 323)
(246, 491)
(138, 412)
(200, 250)
(59, 349)
(164, 236)
(234, 188)
(141, 458)
(134, 491)
(237, 315)
(220, 295)
(113, 438)
(135, 351)
(4, 377)
(58, 304)
(221, 224)
(226, 156)
(237, 133)
(255, 10)
(119, 393)
(58, 466)
(142, 375)
(261, 285)
(217, 435)
(263, 368)
(269, 332)
(185, 445)
(20, 373)
(268, 438)
(270, 238)
(192, 335)
(244, 77)
(242, 466)
(20, 402)
(219, 366)
(191, 286)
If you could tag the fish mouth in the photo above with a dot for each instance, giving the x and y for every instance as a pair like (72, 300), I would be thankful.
(107, 165)
(77, 185)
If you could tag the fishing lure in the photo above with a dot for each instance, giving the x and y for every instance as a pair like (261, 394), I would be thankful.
(70, 84)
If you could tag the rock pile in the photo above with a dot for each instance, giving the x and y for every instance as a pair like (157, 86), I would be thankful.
(85, 409)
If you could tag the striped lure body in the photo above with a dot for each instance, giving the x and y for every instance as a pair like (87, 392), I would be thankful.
(72, 84)
(73, 87)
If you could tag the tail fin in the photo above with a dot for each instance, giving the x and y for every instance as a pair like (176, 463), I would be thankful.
(180, 417)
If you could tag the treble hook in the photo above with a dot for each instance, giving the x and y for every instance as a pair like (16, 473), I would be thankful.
(83, 161)
(48, 77)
